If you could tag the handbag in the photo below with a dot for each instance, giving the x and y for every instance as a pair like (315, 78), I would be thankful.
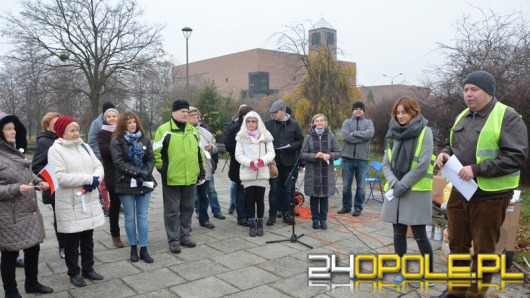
(273, 169)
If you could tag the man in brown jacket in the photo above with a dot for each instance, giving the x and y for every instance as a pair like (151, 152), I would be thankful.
(491, 141)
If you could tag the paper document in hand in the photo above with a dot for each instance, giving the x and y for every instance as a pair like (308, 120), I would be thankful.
(389, 195)
(206, 153)
(283, 147)
(450, 171)
(134, 183)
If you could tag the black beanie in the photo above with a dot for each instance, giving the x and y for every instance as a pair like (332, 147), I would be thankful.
(180, 104)
(107, 105)
(482, 79)
(358, 105)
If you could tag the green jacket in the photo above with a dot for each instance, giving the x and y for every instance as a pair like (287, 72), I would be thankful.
(178, 157)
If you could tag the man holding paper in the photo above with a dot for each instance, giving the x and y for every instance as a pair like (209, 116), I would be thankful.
(491, 141)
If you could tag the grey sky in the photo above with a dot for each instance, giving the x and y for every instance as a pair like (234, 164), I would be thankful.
(381, 36)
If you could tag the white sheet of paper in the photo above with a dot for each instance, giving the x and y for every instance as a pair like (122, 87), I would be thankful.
(389, 195)
(133, 183)
(149, 184)
(283, 147)
(450, 171)
(206, 153)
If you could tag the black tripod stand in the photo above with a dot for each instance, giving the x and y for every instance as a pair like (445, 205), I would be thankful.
(290, 179)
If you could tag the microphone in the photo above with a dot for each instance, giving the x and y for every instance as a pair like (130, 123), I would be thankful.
(311, 127)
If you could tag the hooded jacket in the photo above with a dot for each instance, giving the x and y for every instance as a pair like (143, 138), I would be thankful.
(356, 134)
(285, 133)
(21, 223)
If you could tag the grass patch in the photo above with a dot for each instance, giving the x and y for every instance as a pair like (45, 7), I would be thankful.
(522, 246)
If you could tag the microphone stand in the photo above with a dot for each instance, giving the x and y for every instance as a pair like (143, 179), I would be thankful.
(290, 179)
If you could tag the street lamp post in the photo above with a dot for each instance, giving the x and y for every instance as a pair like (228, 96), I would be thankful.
(392, 77)
(187, 32)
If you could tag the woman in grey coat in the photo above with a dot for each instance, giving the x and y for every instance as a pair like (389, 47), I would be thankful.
(21, 224)
(406, 167)
(319, 150)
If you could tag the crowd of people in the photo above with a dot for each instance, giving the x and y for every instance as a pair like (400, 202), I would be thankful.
(115, 170)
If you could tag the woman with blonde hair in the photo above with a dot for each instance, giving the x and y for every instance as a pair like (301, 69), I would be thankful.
(45, 140)
(320, 149)
(254, 151)
(77, 206)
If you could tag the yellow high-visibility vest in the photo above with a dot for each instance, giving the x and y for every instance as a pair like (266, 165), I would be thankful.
(488, 148)
(425, 183)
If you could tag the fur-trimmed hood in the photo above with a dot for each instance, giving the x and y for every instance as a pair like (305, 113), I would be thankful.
(264, 134)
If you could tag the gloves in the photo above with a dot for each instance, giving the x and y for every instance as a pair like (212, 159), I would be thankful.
(261, 163)
(399, 189)
(253, 166)
(88, 187)
(144, 175)
(95, 183)
(139, 182)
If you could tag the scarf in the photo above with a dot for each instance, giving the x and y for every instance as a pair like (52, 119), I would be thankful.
(136, 152)
(319, 130)
(109, 127)
(253, 134)
(403, 151)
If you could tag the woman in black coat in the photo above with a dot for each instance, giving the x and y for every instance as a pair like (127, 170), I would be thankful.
(45, 140)
(103, 138)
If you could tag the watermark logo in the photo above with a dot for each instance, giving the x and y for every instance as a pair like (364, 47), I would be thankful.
(375, 269)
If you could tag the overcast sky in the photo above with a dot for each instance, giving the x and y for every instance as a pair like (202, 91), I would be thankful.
(381, 36)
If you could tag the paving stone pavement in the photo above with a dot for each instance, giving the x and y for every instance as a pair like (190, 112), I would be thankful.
(228, 263)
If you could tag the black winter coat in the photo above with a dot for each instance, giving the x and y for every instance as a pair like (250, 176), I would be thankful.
(286, 133)
(125, 168)
(103, 139)
(230, 145)
(40, 159)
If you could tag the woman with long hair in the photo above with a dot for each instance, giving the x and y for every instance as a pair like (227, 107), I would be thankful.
(132, 154)
(407, 166)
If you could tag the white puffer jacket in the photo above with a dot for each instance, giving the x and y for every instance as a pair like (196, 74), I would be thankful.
(75, 164)
(249, 149)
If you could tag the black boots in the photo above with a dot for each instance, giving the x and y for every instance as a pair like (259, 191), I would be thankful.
(253, 228)
(259, 230)
(134, 254)
(144, 255)
(38, 288)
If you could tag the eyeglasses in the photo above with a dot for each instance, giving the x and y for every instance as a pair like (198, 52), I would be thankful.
(252, 121)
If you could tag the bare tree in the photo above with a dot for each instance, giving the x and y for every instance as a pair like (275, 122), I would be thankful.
(499, 44)
(92, 37)
(326, 86)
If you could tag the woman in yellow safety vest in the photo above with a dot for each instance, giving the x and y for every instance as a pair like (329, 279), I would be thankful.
(407, 167)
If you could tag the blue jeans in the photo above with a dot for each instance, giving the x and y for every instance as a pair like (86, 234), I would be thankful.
(353, 168)
(135, 208)
(233, 186)
(319, 208)
(281, 193)
(213, 200)
(202, 194)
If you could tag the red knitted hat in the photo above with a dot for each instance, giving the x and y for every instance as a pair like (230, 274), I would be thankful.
(61, 123)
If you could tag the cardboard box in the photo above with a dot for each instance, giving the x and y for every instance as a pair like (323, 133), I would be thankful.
(509, 229)
(438, 184)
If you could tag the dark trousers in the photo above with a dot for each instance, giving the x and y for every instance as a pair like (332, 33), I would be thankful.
(420, 235)
(9, 264)
(178, 211)
(73, 242)
(255, 197)
(319, 208)
(479, 222)
(281, 192)
(241, 206)
(114, 214)
(202, 193)
(60, 236)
